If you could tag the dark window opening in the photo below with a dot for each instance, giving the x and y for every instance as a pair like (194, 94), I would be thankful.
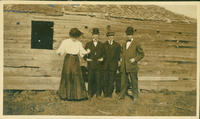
(42, 35)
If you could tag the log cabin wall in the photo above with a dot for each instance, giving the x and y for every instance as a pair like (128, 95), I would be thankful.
(170, 48)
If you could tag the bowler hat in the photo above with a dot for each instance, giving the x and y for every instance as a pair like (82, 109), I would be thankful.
(95, 31)
(110, 34)
(129, 30)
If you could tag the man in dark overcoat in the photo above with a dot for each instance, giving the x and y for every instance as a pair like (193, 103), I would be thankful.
(111, 59)
(132, 53)
(94, 64)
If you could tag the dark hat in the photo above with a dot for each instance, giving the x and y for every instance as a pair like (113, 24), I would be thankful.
(95, 31)
(74, 32)
(130, 30)
(110, 34)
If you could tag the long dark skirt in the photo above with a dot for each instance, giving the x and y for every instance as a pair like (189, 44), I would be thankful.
(72, 85)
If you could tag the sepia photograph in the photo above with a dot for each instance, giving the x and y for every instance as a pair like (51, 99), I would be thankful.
(100, 59)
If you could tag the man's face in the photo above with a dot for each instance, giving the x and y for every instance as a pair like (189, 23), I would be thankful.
(130, 36)
(95, 36)
(110, 37)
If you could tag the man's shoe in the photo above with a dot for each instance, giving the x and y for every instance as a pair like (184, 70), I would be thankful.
(132, 97)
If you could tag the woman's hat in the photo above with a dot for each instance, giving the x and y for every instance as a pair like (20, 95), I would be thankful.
(75, 32)
(130, 30)
(110, 34)
(95, 31)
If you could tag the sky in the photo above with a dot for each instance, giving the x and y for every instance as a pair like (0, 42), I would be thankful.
(187, 10)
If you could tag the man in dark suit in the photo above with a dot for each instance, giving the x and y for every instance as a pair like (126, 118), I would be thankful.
(132, 53)
(94, 64)
(111, 58)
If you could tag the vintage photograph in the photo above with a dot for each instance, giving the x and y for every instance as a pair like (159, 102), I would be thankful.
(100, 59)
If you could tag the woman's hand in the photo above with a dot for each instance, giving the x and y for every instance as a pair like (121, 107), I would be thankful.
(88, 51)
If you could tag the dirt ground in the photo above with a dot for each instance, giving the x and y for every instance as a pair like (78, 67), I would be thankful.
(149, 103)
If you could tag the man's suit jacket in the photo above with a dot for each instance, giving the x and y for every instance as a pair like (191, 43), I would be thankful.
(95, 54)
(134, 51)
(111, 56)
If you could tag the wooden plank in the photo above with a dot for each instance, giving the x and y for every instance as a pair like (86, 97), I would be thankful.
(50, 62)
(32, 72)
(149, 51)
(10, 37)
(53, 61)
(31, 83)
(17, 39)
(149, 56)
(33, 57)
(179, 85)
(58, 18)
(52, 83)
(23, 54)
(161, 67)
(42, 64)
(13, 35)
(147, 78)
(56, 71)
(28, 46)
(13, 26)
(30, 52)
(182, 76)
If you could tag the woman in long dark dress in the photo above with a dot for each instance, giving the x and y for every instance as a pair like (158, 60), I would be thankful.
(72, 85)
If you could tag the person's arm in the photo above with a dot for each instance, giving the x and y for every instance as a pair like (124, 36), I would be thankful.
(119, 57)
(118, 52)
(121, 53)
(82, 51)
(140, 53)
(61, 49)
(86, 56)
(102, 53)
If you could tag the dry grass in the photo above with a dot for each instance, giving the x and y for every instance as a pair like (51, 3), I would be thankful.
(150, 103)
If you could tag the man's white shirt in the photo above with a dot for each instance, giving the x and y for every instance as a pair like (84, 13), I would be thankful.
(110, 42)
(95, 42)
(129, 43)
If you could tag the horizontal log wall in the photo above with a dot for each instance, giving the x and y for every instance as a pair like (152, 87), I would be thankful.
(170, 49)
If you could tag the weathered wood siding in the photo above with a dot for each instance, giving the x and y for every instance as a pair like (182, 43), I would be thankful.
(169, 53)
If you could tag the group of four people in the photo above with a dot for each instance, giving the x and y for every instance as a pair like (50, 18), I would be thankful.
(103, 60)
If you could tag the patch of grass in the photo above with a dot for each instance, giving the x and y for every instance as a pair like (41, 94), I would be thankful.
(167, 92)
(148, 104)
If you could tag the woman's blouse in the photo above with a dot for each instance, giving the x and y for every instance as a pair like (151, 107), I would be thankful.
(71, 47)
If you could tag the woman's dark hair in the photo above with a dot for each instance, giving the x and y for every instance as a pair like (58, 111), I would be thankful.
(75, 33)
